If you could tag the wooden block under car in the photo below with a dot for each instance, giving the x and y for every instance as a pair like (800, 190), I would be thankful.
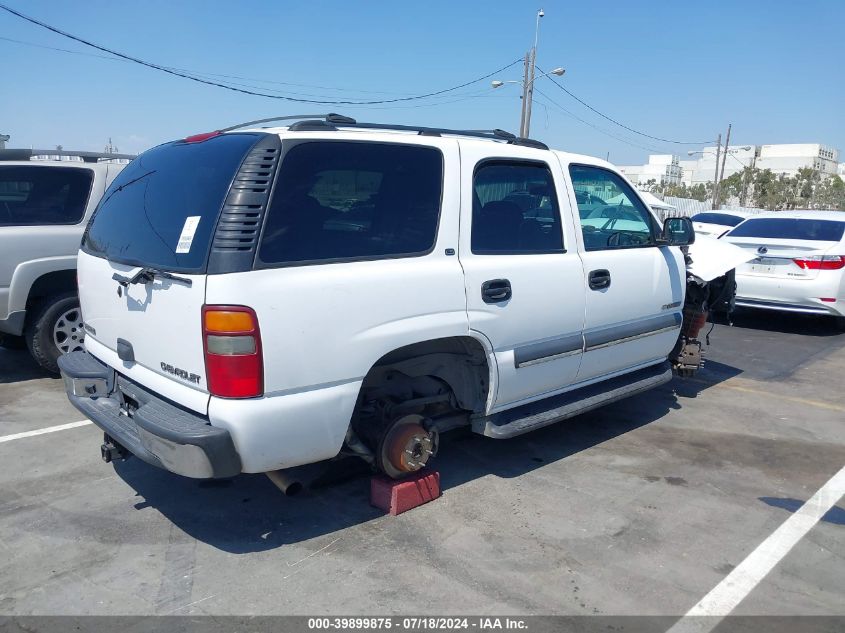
(396, 496)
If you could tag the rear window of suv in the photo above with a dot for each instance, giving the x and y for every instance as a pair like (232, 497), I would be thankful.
(347, 200)
(791, 229)
(162, 208)
(43, 195)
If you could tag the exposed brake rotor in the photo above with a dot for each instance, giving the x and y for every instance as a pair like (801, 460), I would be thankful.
(406, 446)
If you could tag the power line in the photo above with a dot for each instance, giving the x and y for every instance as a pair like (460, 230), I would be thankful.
(612, 120)
(555, 105)
(198, 72)
(185, 75)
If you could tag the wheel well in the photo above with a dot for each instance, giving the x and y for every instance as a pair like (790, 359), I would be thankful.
(459, 362)
(50, 284)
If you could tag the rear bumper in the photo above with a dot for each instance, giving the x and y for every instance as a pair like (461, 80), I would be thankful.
(791, 295)
(744, 302)
(152, 429)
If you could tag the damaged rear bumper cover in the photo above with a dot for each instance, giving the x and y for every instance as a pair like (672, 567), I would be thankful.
(152, 429)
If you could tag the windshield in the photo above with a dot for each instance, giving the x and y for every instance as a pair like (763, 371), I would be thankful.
(791, 228)
(717, 218)
(162, 209)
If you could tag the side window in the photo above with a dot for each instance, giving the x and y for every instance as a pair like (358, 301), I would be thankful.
(337, 200)
(43, 195)
(515, 210)
(612, 216)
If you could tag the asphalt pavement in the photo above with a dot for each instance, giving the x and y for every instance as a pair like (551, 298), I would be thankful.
(642, 507)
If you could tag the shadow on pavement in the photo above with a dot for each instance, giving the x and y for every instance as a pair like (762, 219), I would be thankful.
(766, 345)
(711, 374)
(248, 513)
(835, 515)
(17, 365)
(782, 322)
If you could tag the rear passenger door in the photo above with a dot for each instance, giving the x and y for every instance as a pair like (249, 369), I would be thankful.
(524, 280)
(635, 288)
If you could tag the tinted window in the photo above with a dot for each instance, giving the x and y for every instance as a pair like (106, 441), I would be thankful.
(717, 218)
(515, 210)
(348, 200)
(43, 195)
(612, 216)
(791, 229)
(162, 208)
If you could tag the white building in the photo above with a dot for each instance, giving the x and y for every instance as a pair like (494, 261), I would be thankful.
(3, 139)
(781, 159)
(788, 159)
(703, 169)
(661, 168)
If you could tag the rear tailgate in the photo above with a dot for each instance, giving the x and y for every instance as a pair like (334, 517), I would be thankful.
(160, 320)
(161, 216)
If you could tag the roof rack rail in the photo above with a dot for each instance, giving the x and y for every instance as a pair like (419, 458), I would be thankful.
(331, 121)
(87, 157)
(331, 117)
(495, 135)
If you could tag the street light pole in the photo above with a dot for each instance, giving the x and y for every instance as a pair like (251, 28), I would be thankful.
(528, 90)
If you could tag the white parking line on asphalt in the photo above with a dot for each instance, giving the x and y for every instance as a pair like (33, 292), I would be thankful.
(49, 429)
(733, 589)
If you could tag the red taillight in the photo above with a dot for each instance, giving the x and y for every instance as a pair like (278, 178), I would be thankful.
(824, 262)
(199, 138)
(234, 365)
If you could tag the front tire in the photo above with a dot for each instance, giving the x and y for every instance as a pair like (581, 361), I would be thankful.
(55, 329)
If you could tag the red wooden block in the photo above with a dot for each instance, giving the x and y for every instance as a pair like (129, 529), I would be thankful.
(398, 495)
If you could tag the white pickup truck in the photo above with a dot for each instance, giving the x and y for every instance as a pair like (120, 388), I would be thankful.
(262, 298)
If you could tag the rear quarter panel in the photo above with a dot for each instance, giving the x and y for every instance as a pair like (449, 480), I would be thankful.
(323, 326)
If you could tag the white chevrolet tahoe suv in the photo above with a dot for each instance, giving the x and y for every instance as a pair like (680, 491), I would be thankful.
(262, 298)
(45, 204)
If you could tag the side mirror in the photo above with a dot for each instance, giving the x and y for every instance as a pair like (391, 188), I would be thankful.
(678, 232)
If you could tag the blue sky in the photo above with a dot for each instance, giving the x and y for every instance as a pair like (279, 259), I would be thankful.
(677, 70)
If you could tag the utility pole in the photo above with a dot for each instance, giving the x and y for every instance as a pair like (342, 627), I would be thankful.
(725, 156)
(528, 82)
(716, 175)
(522, 119)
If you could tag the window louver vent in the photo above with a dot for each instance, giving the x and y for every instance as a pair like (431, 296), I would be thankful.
(240, 220)
(239, 226)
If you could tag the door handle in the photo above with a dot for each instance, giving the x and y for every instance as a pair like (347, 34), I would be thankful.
(599, 279)
(496, 291)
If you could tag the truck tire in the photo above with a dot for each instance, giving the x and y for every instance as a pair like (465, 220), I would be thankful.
(55, 329)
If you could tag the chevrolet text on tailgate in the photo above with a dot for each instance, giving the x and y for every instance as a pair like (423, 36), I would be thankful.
(260, 299)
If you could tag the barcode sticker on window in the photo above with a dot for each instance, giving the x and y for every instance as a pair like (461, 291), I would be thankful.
(188, 232)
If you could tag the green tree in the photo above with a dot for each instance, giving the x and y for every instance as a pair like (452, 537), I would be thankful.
(830, 194)
(731, 187)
